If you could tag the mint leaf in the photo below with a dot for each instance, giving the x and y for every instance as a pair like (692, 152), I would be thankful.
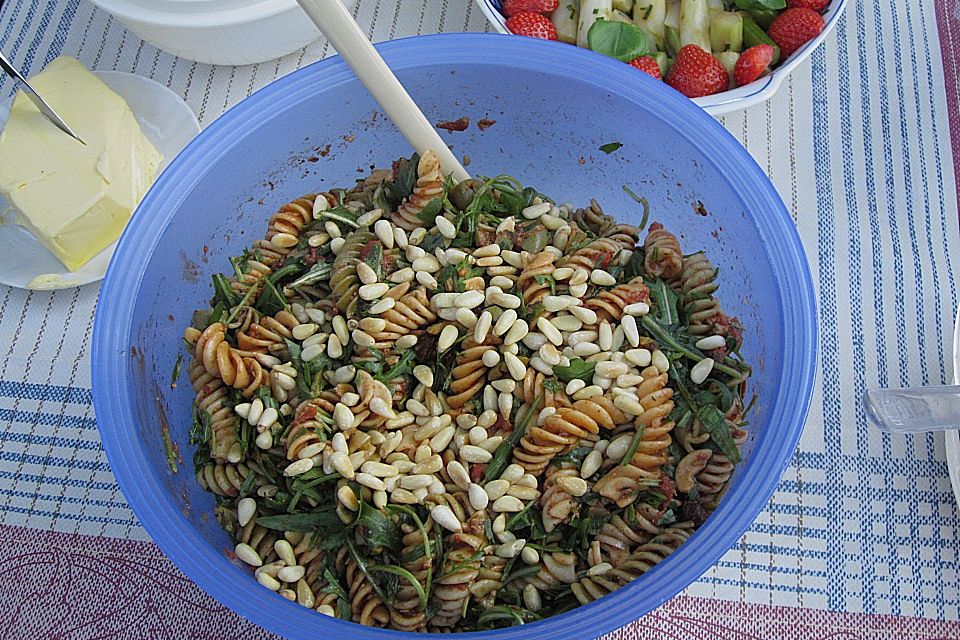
(610, 147)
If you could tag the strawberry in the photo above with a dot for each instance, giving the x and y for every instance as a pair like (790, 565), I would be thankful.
(515, 7)
(816, 5)
(696, 73)
(532, 25)
(648, 65)
(752, 63)
(794, 28)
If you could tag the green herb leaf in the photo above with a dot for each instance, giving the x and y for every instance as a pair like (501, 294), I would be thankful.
(430, 211)
(380, 530)
(271, 301)
(751, 5)
(169, 449)
(175, 375)
(223, 293)
(634, 445)
(553, 385)
(610, 147)
(575, 457)
(403, 367)
(621, 40)
(716, 425)
(578, 370)
(504, 453)
(406, 575)
(343, 599)
(646, 209)
(302, 522)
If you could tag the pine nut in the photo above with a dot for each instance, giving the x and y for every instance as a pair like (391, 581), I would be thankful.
(591, 464)
(444, 516)
(248, 554)
(700, 371)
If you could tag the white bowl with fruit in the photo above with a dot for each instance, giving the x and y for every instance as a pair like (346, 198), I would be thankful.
(723, 54)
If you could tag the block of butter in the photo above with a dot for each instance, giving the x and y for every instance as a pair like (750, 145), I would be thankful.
(75, 198)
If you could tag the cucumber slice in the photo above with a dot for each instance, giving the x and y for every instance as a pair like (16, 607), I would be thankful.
(618, 16)
(671, 38)
(663, 62)
(564, 19)
(726, 31)
(623, 5)
(754, 35)
(728, 59)
(695, 23)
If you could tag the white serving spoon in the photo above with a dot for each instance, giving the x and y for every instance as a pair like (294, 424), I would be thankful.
(914, 410)
(343, 32)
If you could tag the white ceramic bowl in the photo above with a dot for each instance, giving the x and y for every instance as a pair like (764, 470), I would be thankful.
(231, 32)
(734, 99)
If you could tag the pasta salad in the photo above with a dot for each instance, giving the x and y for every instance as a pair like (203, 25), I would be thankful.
(440, 406)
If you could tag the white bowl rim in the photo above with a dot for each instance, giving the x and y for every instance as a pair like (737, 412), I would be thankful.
(739, 97)
(170, 15)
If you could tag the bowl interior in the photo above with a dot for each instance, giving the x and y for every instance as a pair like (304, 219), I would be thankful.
(318, 128)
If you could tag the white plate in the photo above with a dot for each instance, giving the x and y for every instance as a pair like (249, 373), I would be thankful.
(169, 124)
(953, 437)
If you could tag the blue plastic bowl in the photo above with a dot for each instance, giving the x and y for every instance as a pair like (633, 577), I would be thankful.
(317, 128)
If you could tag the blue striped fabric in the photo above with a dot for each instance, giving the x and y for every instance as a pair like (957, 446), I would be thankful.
(856, 142)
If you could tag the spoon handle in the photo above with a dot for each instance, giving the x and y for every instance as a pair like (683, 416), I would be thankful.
(345, 35)
(915, 410)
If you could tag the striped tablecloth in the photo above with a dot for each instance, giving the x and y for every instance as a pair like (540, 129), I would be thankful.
(862, 538)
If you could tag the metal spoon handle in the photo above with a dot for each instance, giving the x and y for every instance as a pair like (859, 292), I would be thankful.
(40, 103)
(915, 410)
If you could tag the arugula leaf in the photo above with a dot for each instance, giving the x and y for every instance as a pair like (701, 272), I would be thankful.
(404, 366)
(634, 445)
(641, 200)
(317, 273)
(406, 575)
(578, 370)
(406, 175)
(503, 454)
(175, 375)
(547, 280)
(553, 385)
(716, 426)
(610, 147)
(621, 40)
(202, 427)
(574, 457)
(247, 487)
(431, 241)
(430, 211)
(270, 301)
(343, 599)
(380, 530)
(665, 301)
(223, 293)
(584, 530)
(302, 522)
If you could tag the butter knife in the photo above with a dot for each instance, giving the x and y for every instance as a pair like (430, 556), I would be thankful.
(41, 104)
